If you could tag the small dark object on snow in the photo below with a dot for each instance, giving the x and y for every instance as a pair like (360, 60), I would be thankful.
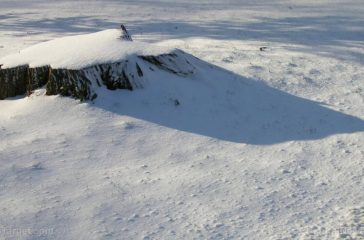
(126, 34)
(176, 102)
(37, 166)
(262, 48)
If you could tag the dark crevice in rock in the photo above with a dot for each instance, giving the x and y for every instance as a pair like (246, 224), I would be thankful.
(37, 77)
(112, 78)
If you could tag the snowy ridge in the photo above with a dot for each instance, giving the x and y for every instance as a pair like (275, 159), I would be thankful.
(81, 51)
(75, 66)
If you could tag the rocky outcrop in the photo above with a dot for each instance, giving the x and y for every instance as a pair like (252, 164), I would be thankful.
(81, 84)
(13, 81)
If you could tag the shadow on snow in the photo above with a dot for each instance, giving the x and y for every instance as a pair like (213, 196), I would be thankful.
(324, 34)
(222, 105)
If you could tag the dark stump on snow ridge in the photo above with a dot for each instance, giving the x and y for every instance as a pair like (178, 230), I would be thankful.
(127, 74)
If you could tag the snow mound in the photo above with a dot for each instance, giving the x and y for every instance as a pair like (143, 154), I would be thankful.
(77, 52)
(75, 66)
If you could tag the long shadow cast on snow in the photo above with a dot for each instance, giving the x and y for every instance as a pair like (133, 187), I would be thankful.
(324, 34)
(230, 107)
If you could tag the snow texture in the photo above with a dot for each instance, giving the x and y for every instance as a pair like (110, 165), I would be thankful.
(81, 51)
(265, 144)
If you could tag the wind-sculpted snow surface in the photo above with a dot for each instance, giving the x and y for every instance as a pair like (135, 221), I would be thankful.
(264, 140)
(222, 105)
(81, 51)
(214, 102)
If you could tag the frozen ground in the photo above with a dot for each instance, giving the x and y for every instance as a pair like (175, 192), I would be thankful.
(275, 150)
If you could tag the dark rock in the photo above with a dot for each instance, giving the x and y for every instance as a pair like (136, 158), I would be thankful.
(37, 78)
(174, 62)
(69, 83)
(125, 34)
(262, 49)
(80, 84)
(13, 81)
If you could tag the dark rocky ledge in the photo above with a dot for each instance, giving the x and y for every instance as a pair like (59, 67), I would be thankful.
(127, 74)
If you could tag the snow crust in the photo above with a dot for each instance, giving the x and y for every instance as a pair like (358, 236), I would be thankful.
(271, 150)
(80, 51)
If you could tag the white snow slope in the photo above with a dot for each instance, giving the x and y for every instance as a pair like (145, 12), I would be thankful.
(81, 51)
(271, 148)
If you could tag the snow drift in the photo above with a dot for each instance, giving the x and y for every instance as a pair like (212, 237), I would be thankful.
(180, 91)
(73, 66)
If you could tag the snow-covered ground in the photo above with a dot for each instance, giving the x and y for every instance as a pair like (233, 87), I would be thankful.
(81, 51)
(273, 148)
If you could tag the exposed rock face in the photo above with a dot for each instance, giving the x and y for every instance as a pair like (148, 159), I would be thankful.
(13, 81)
(128, 74)
(69, 83)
